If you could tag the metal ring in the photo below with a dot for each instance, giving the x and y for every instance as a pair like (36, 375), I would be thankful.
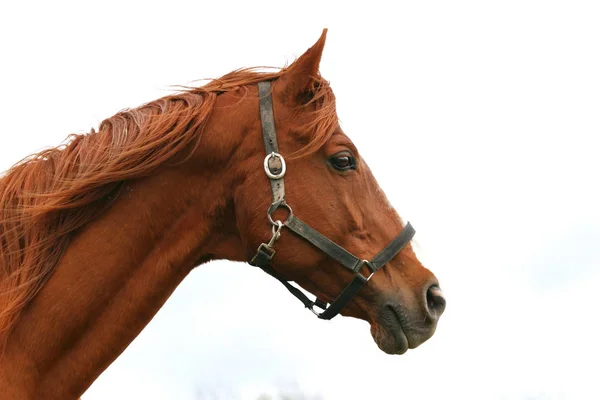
(268, 170)
(276, 223)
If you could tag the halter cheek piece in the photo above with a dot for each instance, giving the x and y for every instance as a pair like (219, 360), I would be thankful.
(275, 169)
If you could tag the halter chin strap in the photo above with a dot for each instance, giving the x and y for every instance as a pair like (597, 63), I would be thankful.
(275, 169)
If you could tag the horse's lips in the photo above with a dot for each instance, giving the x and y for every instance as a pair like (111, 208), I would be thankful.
(399, 333)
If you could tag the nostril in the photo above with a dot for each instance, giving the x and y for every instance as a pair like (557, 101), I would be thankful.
(436, 302)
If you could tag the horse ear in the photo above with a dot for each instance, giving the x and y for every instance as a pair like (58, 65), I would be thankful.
(298, 77)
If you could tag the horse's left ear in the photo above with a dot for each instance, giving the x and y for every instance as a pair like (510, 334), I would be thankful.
(298, 78)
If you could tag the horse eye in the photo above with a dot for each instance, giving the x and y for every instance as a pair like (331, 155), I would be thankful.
(343, 162)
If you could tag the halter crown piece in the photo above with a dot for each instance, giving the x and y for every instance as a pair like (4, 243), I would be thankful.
(275, 169)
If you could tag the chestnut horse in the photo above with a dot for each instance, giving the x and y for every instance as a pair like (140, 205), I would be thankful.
(97, 233)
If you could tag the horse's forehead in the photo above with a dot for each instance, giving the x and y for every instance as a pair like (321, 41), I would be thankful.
(339, 136)
(340, 139)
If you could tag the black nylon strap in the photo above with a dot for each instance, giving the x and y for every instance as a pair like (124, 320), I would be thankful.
(308, 303)
(335, 251)
(394, 247)
(344, 298)
(263, 259)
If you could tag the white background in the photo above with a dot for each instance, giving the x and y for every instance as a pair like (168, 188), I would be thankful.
(480, 121)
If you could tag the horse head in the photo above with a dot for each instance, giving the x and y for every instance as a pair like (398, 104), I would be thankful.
(330, 189)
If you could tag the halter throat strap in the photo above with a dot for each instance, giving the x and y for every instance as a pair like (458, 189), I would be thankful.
(275, 169)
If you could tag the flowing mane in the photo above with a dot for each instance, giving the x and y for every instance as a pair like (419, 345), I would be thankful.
(48, 196)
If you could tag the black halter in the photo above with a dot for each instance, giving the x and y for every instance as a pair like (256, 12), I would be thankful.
(275, 168)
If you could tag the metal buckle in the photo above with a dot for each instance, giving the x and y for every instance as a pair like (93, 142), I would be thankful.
(263, 256)
(268, 171)
(371, 268)
(266, 249)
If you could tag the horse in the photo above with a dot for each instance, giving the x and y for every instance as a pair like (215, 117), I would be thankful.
(95, 234)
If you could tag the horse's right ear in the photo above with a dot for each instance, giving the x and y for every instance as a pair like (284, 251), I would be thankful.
(299, 76)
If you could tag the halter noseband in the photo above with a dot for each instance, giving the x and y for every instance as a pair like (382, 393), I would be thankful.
(275, 169)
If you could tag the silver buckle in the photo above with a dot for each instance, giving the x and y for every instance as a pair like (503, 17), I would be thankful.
(268, 171)
(370, 266)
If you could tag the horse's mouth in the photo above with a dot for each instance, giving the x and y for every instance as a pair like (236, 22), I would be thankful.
(395, 331)
(388, 331)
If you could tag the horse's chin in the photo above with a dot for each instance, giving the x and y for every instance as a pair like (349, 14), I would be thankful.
(394, 334)
(390, 341)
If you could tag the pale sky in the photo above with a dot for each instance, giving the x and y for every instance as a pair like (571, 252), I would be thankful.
(480, 121)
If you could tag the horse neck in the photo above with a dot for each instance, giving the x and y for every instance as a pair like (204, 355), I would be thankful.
(114, 276)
